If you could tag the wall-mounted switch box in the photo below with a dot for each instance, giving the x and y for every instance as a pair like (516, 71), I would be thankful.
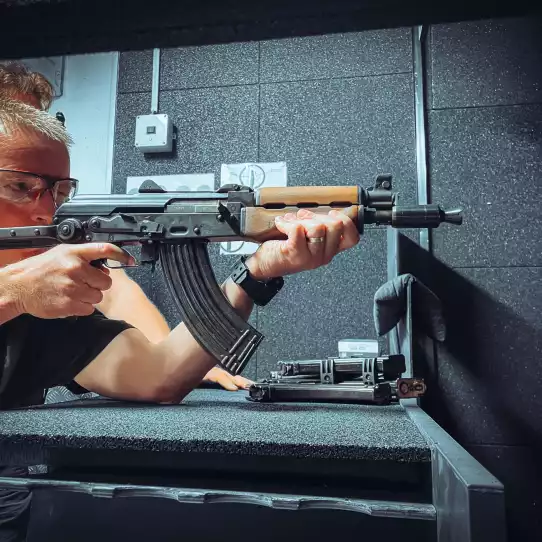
(154, 133)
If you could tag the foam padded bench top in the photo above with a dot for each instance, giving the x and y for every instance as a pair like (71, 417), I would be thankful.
(211, 428)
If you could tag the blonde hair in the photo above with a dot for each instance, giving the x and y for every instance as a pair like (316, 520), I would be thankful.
(18, 85)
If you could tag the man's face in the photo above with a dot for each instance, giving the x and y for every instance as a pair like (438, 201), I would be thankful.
(32, 152)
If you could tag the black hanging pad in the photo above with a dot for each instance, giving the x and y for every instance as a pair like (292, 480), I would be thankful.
(390, 304)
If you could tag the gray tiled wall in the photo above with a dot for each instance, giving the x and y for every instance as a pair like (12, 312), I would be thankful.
(211, 66)
(486, 63)
(489, 374)
(336, 56)
(490, 167)
(485, 139)
(339, 109)
(342, 131)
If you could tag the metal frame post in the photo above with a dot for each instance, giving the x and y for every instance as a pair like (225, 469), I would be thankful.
(418, 36)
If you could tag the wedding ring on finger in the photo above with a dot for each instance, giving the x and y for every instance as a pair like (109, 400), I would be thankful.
(315, 239)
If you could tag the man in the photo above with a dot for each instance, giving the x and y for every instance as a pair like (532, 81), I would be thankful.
(65, 322)
(94, 329)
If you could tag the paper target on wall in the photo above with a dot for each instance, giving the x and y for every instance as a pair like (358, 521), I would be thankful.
(256, 176)
(51, 67)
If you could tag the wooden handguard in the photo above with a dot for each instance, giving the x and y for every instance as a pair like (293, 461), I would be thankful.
(306, 196)
(260, 223)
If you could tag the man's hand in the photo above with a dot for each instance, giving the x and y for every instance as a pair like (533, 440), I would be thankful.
(226, 380)
(61, 282)
(313, 241)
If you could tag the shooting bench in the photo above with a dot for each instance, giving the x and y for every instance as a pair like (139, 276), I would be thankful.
(159, 472)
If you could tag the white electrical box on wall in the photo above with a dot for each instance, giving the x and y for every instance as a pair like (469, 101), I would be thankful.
(154, 133)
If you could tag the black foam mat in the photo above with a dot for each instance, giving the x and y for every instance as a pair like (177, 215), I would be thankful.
(217, 422)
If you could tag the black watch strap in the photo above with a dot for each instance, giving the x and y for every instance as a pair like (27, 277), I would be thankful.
(261, 292)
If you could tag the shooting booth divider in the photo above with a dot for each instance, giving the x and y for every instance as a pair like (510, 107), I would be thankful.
(469, 500)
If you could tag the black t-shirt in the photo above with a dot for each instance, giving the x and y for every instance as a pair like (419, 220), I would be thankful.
(36, 354)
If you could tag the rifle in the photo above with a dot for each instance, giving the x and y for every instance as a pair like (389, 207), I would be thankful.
(355, 380)
(176, 228)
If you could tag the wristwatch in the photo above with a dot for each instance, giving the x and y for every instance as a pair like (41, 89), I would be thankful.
(260, 291)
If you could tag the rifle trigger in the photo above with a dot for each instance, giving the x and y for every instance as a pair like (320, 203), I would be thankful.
(114, 264)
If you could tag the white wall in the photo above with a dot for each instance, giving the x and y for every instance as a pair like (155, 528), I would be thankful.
(88, 103)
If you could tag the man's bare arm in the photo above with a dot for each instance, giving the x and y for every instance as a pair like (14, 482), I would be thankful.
(8, 308)
(134, 366)
(126, 301)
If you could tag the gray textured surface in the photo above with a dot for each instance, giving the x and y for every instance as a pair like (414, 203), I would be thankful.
(318, 308)
(488, 161)
(518, 467)
(493, 62)
(336, 55)
(342, 131)
(209, 66)
(489, 368)
(135, 72)
(225, 422)
(215, 126)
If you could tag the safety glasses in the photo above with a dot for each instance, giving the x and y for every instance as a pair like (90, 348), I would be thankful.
(26, 187)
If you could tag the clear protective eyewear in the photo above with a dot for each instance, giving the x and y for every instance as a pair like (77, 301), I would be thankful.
(23, 187)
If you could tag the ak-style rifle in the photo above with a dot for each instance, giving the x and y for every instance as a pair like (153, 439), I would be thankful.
(176, 228)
